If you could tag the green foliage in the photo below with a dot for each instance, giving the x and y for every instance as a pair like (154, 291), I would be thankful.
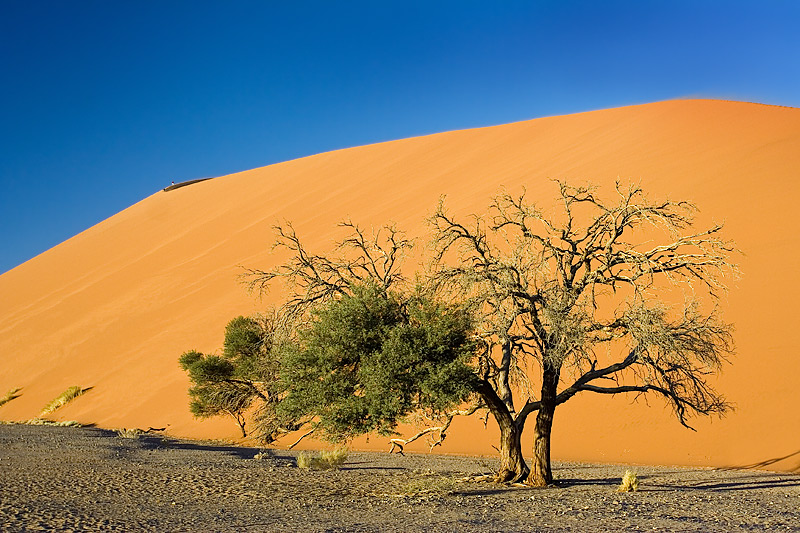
(244, 341)
(227, 384)
(372, 357)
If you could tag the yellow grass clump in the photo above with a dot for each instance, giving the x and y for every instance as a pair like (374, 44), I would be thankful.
(62, 399)
(327, 459)
(10, 395)
(129, 433)
(45, 422)
(630, 483)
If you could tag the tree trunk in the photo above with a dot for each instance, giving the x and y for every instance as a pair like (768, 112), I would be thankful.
(512, 464)
(541, 474)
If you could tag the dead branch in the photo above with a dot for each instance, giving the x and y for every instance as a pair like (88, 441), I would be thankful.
(440, 430)
(304, 435)
(315, 279)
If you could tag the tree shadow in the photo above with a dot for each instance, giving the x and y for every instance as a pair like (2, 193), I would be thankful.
(578, 482)
(347, 466)
(717, 481)
(756, 483)
(155, 441)
(242, 452)
(770, 462)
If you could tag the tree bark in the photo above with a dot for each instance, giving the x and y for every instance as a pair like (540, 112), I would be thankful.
(541, 474)
(512, 464)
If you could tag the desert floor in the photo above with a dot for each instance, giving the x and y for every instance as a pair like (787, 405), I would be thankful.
(71, 479)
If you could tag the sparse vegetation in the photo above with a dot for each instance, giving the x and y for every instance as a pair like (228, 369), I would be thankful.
(129, 433)
(327, 459)
(45, 422)
(10, 395)
(630, 482)
(62, 399)
(304, 460)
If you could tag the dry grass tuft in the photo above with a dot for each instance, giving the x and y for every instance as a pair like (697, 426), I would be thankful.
(304, 460)
(262, 455)
(326, 460)
(630, 483)
(128, 433)
(62, 399)
(10, 395)
(44, 422)
(335, 457)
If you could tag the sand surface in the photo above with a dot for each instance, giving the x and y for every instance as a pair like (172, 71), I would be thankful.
(113, 307)
(70, 479)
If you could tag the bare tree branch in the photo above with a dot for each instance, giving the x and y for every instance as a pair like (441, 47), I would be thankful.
(538, 281)
(316, 279)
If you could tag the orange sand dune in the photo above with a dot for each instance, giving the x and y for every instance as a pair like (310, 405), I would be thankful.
(113, 307)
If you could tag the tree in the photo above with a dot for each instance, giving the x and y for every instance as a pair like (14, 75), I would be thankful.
(245, 374)
(368, 349)
(539, 308)
(552, 290)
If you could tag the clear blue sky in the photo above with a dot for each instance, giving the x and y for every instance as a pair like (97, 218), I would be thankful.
(104, 102)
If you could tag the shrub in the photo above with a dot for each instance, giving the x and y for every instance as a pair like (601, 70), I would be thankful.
(62, 399)
(630, 483)
(335, 457)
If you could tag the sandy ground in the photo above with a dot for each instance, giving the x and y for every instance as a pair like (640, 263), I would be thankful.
(77, 479)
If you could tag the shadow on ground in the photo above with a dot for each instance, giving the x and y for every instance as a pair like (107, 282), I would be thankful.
(772, 462)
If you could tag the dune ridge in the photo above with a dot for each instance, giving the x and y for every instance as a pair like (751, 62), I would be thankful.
(113, 307)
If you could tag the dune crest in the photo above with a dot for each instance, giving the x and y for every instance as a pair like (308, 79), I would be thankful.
(113, 307)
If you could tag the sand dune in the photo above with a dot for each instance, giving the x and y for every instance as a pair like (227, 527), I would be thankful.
(113, 307)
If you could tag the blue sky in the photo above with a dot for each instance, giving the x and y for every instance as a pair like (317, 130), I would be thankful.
(103, 103)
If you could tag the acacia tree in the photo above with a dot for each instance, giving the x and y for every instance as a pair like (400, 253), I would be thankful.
(367, 349)
(551, 290)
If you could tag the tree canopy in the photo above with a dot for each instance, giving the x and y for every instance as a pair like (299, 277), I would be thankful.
(372, 357)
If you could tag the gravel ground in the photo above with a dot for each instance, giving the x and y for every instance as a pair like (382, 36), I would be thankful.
(84, 479)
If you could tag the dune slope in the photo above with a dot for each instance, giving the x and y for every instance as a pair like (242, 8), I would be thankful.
(113, 307)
